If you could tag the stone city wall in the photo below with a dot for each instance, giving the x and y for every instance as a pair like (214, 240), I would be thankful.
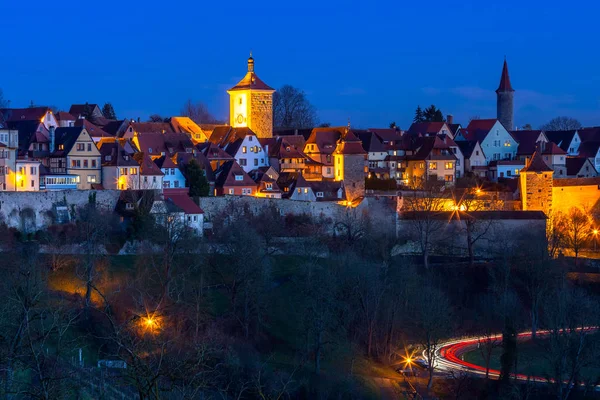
(30, 211)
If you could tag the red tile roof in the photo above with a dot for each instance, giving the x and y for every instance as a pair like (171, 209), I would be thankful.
(152, 127)
(536, 164)
(552, 148)
(148, 167)
(505, 85)
(184, 202)
(24, 114)
(426, 127)
(64, 116)
(226, 173)
(92, 129)
(350, 145)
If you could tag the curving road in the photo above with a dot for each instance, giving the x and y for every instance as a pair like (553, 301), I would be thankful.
(449, 356)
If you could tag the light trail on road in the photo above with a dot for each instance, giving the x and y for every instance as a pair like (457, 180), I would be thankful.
(448, 356)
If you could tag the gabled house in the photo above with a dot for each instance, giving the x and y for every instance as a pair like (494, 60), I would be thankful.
(151, 177)
(215, 155)
(495, 140)
(376, 154)
(9, 143)
(144, 128)
(231, 179)
(73, 152)
(27, 176)
(173, 176)
(120, 170)
(455, 149)
(303, 190)
(569, 141)
(580, 167)
(34, 139)
(285, 153)
(243, 145)
(528, 141)
(590, 150)
(93, 111)
(430, 129)
(94, 131)
(472, 153)
(432, 160)
(192, 213)
(320, 147)
(555, 158)
(267, 187)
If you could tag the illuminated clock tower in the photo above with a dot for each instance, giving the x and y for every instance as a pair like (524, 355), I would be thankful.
(251, 104)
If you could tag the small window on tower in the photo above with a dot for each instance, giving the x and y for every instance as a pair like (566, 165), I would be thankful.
(241, 100)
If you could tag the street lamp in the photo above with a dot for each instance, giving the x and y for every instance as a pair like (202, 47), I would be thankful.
(595, 232)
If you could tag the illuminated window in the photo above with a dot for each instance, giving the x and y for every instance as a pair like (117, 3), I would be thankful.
(449, 178)
(448, 165)
(299, 190)
(132, 171)
(231, 191)
(244, 149)
(432, 165)
(305, 190)
(80, 146)
(61, 146)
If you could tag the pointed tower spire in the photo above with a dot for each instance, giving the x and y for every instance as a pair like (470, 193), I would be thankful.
(505, 85)
(505, 100)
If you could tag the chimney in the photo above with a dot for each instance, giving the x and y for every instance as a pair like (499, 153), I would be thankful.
(52, 139)
(450, 119)
(138, 120)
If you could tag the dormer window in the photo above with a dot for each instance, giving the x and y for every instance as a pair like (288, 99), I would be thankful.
(149, 149)
(188, 150)
(129, 206)
(170, 149)
(319, 194)
(108, 158)
(239, 177)
(269, 186)
(61, 146)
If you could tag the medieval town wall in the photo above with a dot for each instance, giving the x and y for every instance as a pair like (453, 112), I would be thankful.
(30, 211)
(566, 197)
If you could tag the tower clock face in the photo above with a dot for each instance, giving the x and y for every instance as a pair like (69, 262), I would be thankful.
(240, 119)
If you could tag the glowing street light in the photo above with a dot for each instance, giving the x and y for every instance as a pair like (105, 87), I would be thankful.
(150, 323)
(595, 233)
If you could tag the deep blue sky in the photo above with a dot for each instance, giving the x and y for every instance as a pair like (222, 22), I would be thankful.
(372, 62)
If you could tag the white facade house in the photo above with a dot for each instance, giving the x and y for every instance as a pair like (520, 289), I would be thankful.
(499, 144)
(49, 120)
(249, 153)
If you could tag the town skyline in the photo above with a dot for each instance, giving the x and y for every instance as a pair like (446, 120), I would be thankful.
(344, 76)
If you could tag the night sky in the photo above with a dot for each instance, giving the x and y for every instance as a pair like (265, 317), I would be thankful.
(372, 62)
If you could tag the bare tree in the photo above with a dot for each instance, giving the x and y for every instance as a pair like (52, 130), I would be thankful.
(571, 345)
(92, 228)
(490, 319)
(198, 112)
(433, 323)
(424, 209)
(577, 226)
(292, 110)
(561, 124)
(555, 233)
(155, 118)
